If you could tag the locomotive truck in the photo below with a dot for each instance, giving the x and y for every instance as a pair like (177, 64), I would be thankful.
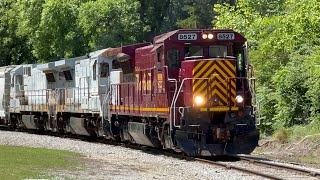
(192, 91)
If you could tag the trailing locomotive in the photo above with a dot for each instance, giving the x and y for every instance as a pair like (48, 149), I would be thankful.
(189, 90)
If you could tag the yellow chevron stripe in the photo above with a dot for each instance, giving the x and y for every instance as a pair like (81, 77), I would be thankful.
(231, 66)
(198, 82)
(204, 93)
(197, 67)
(224, 76)
(198, 91)
(219, 94)
(229, 72)
(226, 69)
(204, 76)
(222, 80)
(209, 71)
(222, 96)
(203, 69)
(219, 86)
(223, 89)
(233, 84)
(233, 92)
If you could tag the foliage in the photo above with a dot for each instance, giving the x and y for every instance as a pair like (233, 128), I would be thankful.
(281, 135)
(313, 83)
(284, 48)
(196, 14)
(154, 17)
(45, 30)
(108, 23)
(13, 48)
(51, 28)
(292, 105)
(266, 101)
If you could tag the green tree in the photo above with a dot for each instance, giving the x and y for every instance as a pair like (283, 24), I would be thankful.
(195, 14)
(14, 49)
(108, 23)
(153, 15)
(51, 28)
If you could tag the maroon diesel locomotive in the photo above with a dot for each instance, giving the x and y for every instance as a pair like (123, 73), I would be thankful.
(189, 90)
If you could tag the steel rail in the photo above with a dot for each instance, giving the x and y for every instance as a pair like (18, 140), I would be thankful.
(247, 171)
(285, 167)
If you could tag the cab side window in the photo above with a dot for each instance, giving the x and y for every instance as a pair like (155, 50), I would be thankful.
(173, 58)
(104, 69)
(190, 51)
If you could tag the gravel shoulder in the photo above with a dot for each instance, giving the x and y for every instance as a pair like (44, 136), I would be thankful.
(101, 161)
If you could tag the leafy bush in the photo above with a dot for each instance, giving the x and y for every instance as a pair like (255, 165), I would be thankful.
(281, 135)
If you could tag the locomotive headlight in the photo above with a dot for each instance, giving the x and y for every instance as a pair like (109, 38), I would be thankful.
(204, 36)
(210, 36)
(198, 100)
(239, 99)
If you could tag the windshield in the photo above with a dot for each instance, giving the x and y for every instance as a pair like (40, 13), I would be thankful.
(218, 51)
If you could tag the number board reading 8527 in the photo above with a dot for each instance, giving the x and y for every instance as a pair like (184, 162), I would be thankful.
(225, 36)
(189, 36)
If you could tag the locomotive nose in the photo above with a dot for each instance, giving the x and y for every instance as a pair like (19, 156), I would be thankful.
(211, 83)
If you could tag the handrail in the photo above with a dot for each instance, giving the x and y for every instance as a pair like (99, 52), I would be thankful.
(175, 92)
(170, 111)
(252, 87)
(105, 100)
(175, 98)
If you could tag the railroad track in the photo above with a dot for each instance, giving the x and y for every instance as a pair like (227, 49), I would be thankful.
(212, 161)
(221, 162)
(254, 161)
(280, 166)
(241, 169)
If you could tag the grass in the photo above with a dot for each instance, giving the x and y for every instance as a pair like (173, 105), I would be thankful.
(299, 132)
(308, 159)
(25, 162)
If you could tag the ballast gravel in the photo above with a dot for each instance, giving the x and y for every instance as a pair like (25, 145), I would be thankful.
(103, 161)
